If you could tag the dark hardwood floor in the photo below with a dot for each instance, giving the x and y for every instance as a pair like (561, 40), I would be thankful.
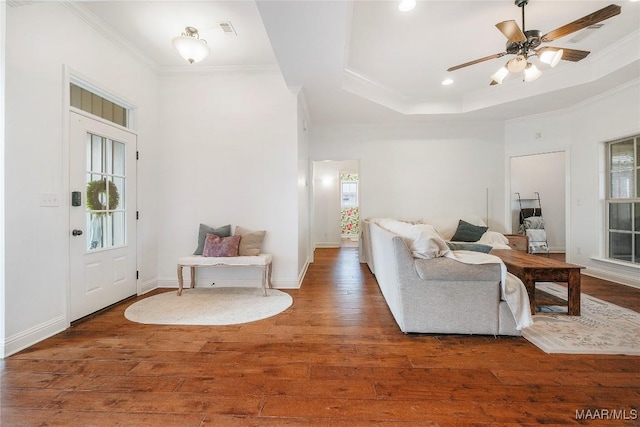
(335, 358)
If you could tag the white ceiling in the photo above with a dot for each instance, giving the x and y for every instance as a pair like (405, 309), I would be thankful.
(367, 62)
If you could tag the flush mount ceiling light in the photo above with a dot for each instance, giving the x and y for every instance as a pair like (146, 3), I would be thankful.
(525, 44)
(406, 5)
(190, 46)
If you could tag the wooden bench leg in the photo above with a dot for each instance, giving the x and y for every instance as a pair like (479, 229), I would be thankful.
(193, 277)
(264, 280)
(180, 280)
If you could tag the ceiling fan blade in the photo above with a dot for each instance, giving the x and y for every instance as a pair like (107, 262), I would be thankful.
(573, 55)
(477, 61)
(511, 31)
(584, 22)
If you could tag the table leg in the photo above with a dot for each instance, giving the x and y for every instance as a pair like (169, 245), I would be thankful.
(180, 280)
(530, 285)
(573, 291)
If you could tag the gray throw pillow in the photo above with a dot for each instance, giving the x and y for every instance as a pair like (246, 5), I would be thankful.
(476, 247)
(468, 232)
(224, 231)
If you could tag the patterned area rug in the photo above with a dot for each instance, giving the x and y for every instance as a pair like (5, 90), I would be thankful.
(209, 306)
(602, 328)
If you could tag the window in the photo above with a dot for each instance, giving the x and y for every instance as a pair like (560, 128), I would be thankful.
(106, 210)
(623, 200)
(88, 101)
(349, 193)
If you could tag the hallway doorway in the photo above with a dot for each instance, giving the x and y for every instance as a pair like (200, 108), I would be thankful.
(336, 204)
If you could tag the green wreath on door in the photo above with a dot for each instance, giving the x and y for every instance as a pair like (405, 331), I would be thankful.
(97, 188)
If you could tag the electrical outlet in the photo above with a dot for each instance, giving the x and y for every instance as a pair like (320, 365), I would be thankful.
(49, 199)
(578, 250)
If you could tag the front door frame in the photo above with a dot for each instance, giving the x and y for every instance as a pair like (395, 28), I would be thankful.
(72, 76)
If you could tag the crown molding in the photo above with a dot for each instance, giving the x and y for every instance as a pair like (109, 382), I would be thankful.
(106, 31)
(18, 3)
(199, 70)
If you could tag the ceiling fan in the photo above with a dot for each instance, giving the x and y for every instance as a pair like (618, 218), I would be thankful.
(526, 43)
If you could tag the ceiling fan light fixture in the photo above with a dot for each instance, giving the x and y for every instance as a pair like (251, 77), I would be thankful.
(551, 56)
(406, 5)
(190, 46)
(531, 72)
(517, 64)
(499, 75)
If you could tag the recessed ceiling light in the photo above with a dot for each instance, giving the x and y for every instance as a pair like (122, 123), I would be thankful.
(447, 82)
(406, 5)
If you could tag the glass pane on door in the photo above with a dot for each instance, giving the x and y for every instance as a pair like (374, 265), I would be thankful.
(105, 201)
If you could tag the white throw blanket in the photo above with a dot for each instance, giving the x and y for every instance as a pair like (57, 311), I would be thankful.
(537, 235)
(513, 290)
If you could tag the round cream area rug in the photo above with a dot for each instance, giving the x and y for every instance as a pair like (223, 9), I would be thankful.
(209, 306)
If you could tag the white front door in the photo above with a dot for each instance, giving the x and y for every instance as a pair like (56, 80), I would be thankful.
(102, 218)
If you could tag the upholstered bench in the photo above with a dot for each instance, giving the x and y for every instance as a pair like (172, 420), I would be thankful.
(262, 261)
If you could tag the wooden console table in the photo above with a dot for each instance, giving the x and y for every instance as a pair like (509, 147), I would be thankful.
(532, 268)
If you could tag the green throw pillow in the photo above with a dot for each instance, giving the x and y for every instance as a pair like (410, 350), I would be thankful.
(224, 231)
(476, 247)
(468, 232)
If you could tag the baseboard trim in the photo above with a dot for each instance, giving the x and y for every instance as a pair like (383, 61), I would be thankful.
(303, 273)
(148, 286)
(327, 245)
(34, 335)
(622, 279)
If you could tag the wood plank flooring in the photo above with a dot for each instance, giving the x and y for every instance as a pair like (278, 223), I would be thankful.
(335, 358)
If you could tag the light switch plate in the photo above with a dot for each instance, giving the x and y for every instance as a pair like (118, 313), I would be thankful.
(49, 199)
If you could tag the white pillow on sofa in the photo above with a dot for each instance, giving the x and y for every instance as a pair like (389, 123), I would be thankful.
(493, 237)
(447, 226)
(427, 242)
(401, 228)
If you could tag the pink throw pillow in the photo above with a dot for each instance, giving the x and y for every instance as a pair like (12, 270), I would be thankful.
(216, 246)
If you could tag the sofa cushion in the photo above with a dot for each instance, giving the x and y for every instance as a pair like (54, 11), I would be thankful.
(427, 243)
(224, 231)
(423, 240)
(447, 269)
(464, 246)
(216, 246)
(447, 226)
(250, 242)
(494, 239)
(468, 232)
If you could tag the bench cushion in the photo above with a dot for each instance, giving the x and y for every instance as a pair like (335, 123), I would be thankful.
(261, 259)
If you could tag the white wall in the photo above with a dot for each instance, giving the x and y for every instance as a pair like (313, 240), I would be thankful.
(304, 190)
(545, 174)
(326, 201)
(418, 171)
(229, 156)
(36, 260)
(3, 7)
(582, 132)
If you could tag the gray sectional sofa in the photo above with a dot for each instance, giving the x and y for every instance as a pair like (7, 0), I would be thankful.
(438, 295)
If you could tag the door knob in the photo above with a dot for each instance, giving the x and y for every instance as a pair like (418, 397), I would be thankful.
(76, 232)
